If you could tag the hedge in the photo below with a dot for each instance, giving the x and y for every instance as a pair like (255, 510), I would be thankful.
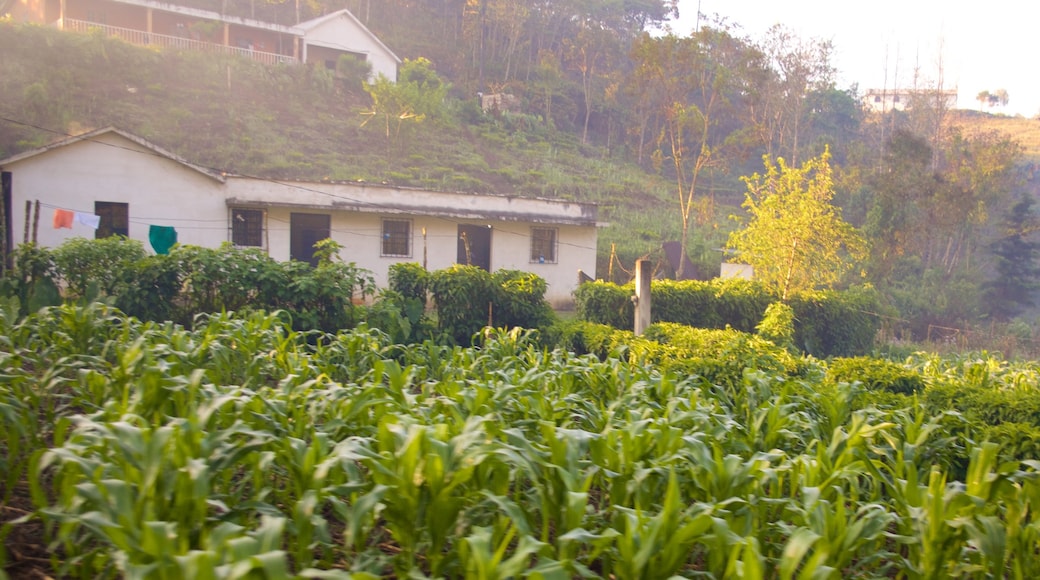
(826, 323)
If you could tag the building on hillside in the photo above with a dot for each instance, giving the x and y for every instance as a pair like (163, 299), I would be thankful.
(884, 100)
(123, 184)
(153, 23)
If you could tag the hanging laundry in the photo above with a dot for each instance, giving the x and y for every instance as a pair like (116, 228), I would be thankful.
(88, 219)
(63, 218)
(162, 238)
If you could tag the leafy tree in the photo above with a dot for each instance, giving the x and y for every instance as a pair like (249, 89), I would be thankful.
(1016, 255)
(418, 93)
(795, 238)
(694, 86)
(798, 68)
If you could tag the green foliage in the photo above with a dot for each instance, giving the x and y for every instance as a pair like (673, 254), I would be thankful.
(520, 300)
(469, 298)
(833, 323)
(241, 447)
(875, 374)
(825, 323)
(104, 262)
(777, 325)
(410, 280)
(606, 303)
(795, 239)
(464, 296)
(32, 279)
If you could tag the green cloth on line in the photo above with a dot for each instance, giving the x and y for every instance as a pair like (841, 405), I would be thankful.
(162, 238)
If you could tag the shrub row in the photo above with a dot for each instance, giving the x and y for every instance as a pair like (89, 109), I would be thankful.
(191, 280)
(827, 323)
(719, 356)
(468, 298)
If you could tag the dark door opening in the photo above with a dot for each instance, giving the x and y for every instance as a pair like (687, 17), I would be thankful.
(475, 246)
(305, 230)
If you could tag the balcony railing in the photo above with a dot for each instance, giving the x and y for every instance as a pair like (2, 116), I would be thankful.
(167, 41)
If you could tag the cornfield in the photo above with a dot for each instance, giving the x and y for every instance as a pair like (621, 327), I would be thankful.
(242, 449)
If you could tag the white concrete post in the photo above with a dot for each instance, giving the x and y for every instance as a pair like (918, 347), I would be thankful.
(642, 297)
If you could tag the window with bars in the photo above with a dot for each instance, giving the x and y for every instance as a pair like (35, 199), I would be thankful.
(397, 238)
(115, 219)
(247, 227)
(543, 245)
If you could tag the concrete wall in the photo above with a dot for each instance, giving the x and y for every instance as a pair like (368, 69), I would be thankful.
(331, 34)
(158, 190)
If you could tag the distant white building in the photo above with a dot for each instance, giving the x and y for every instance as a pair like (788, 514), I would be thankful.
(884, 100)
(132, 187)
(319, 41)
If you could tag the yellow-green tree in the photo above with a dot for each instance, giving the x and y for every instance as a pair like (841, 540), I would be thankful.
(793, 237)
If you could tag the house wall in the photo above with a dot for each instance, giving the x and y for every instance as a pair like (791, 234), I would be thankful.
(159, 191)
(330, 35)
(356, 222)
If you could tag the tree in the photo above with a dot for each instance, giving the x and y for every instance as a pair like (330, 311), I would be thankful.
(694, 86)
(419, 93)
(795, 239)
(1016, 255)
(797, 69)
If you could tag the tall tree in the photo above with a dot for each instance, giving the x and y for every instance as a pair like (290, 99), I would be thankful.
(794, 238)
(1016, 261)
(696, 86)
(798, 67)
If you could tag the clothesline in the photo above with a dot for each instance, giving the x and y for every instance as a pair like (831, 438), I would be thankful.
(162, 238)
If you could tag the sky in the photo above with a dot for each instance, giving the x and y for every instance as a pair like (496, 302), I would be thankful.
(983, 46)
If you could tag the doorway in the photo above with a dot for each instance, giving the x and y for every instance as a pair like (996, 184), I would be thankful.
(475, 246)
(305, 230)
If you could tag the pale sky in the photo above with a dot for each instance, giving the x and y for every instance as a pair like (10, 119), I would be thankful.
(983, 45)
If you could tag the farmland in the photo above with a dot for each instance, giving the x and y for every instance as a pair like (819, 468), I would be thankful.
(242, 449)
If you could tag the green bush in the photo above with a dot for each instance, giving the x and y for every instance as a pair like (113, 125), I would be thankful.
(833, 323)
(777, 325)
(464, 295)
(104, 262)
(875, 374)
(32, 279)
(606, 303)
(826, 323)
(520, 300)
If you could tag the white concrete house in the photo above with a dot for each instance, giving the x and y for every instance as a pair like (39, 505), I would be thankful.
(318, 41)
(133, 185)
(884, 100)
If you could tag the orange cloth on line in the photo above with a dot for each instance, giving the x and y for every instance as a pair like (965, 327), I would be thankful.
(63, 218)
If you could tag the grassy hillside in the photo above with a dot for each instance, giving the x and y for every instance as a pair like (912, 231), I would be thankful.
(1025, 131)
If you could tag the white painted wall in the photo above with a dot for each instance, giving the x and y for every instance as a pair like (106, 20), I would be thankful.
(344, 32)
(158, 190)
(357, 211)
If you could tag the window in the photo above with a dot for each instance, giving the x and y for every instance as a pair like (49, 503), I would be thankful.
(543, 245)
(115, 219)
(247, 227)
(397, 238)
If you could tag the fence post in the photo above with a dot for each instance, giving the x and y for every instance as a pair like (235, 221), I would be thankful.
(642, 297)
